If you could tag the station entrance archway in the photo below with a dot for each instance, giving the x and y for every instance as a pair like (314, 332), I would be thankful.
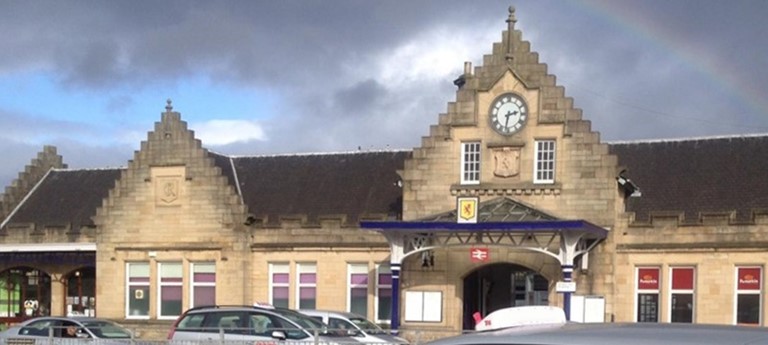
(501, 285)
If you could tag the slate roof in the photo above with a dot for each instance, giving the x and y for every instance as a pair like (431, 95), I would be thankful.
(352, 184)
(67, 196)
(692, 176)
(695, 176)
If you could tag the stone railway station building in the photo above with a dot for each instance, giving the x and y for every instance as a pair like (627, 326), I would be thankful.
(511, 199)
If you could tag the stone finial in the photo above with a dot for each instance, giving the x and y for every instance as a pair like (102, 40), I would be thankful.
(511, 20)
(168, 106)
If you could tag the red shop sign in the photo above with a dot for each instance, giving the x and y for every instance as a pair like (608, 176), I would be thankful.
(479, 254)
(749, 278)
(648, 279)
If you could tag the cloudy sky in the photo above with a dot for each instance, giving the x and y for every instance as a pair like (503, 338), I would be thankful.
(267, 77)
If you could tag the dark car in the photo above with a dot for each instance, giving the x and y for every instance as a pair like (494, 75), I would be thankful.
(66, 327)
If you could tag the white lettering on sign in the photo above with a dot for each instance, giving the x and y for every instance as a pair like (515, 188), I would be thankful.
(565, 287)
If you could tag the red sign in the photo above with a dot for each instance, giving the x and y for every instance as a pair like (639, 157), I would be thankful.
(682, 278)
(479, 254)
(749, 278)
(647, 278)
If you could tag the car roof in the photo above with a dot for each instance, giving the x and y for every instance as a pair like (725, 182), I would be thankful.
(318, 312)
(615, 333)
(67, 318)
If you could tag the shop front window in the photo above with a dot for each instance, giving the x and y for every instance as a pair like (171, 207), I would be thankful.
(307, 285)
(279, 283)
(203, 283)
(358, 289)
(748, 295)
(647, 287)
(81, 292)
(384, 294)
(171, 279)
(24, 293)
(682, 292)
(138, 290)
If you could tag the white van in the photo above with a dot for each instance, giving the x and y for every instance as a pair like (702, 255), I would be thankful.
(355, 326)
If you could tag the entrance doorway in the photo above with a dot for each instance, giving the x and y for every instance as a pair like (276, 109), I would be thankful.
(496, 286)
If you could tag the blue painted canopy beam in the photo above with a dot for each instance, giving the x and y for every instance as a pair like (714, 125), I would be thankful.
(544, 225)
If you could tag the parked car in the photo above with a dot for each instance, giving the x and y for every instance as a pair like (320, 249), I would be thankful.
(528, 327)
(66, 327)
(354, 325)
(262, 323)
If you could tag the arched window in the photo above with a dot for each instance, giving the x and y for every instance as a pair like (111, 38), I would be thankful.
(24, 292)
(81, 292)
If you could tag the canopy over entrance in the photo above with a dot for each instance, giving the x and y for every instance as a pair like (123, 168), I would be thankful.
(500, 222)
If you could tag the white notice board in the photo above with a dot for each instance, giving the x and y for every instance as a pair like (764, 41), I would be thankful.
(423, 306)
(587, 308)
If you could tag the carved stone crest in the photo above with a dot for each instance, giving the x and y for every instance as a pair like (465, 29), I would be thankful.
(167, 191)
(506, 162)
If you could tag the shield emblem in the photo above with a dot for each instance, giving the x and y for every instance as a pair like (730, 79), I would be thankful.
(467, 210)
(506, 162)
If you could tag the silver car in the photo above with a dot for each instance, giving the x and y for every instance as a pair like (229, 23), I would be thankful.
(355, 326)
(261, 324)
(614, 333)
(66, 327)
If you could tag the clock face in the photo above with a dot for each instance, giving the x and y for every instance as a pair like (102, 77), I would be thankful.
(508, 114)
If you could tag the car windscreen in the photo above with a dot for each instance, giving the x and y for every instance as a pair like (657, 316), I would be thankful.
(367, 326)
(303, 321)
(107, 330)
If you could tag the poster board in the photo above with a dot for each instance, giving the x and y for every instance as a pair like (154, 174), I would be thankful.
(587, 308)
(423, 306)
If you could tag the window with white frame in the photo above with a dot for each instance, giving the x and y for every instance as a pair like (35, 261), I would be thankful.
(357, 281)
(544, 164)
(647, 292)
(749, 295)
(383, 294)
(681, 299)
(170, 289)
(470, 162)
(279, 284)
(137, 296)
(203, 291)
(307, 290)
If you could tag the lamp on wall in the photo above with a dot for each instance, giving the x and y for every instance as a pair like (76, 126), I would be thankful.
(629, 187)
(427, 259)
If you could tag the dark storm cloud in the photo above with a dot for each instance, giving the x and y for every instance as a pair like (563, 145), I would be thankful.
(638, 69)
(96, 43)
(361, 98)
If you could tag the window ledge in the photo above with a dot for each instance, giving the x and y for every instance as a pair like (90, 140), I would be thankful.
(525, 188)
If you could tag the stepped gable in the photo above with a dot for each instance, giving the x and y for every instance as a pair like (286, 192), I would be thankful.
(697, 177)
(224, 163)
(351, 185)
(66, 197)
(172, 145)
(45, 160)
(514, 54)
